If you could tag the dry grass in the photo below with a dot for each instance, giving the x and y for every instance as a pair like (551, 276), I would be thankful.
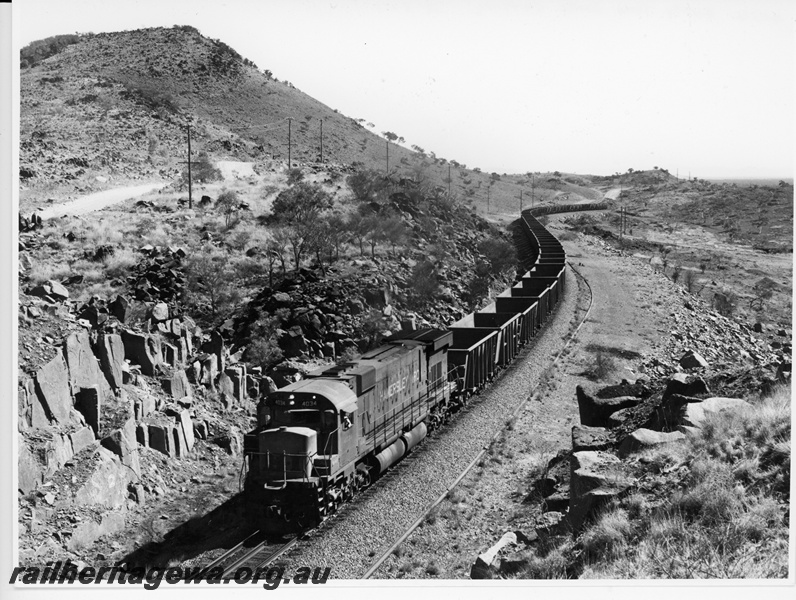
(726, 515)
(728, 520)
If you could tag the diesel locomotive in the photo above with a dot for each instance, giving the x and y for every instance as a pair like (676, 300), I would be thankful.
(320, 440)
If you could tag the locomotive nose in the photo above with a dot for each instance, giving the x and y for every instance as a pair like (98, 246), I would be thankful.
(286, 453)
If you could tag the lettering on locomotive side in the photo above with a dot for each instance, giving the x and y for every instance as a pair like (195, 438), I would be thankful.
(397, 386)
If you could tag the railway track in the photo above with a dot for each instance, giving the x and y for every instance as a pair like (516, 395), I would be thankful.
(254, 552)
(379, 560)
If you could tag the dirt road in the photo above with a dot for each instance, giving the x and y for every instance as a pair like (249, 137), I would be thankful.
(98, 200)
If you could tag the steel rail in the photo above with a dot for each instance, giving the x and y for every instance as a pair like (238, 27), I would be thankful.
(374, 567)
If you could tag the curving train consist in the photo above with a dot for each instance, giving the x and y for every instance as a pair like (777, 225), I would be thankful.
(320, 440)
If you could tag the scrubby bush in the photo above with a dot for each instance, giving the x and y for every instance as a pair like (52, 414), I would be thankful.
(603, 366)
(424, 282)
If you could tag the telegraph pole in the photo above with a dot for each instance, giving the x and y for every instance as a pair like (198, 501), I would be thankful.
(190, 174)
(487, 198)
(190, 191)
(321, 141)
(449, 180)
(289, 161)
(388, 158)
(520, 201)
(533, 186)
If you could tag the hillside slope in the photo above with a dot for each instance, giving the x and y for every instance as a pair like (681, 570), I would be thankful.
(114, 106)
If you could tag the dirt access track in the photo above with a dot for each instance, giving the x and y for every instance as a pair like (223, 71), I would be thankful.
(98, 201)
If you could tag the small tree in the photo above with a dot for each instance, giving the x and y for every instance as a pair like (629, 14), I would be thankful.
(228, 205)
(424, 282)
(263, 349)
(358, 226)
(294, 176)
(211, 282)
(203, 170)
(296, 209)
(500, 254)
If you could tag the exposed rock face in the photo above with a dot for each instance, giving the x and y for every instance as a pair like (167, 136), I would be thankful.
(110, 351)
(30, 471)
(89, 403)
(86, 533)
(692, 360)
(84, 370)
(106, 483)
(123, 443)
(647, 438)
(177, 385)
(685, 385)
(142, 349)
(590, 438)
(595, 410)
(695, 413)
(52, 390)
(595, 478)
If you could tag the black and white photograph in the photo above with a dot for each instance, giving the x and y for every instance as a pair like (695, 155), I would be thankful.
(362, 297)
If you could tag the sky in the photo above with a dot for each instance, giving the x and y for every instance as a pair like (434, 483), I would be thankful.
(698, 87)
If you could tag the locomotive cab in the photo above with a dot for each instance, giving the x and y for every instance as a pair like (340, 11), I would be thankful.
(304, 433)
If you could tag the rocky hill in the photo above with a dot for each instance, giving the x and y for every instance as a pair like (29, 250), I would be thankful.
(100, 109)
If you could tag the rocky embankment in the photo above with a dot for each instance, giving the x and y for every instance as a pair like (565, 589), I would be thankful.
(666, 405)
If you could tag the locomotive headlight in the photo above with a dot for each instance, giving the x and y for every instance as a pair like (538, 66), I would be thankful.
(292, 402)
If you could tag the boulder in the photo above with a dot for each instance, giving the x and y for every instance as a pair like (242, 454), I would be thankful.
(215, 346)
(591, 438)
(110, 351)
(31, 472)
(89, 531)
(53, 289)
(237, 375)
(171, 355)
(160, 438)
(142, 434)
(89, 403)
(53, 393)
(483, 565)
(84, 368)
(225, 385)
(177, 385)
(229, 441)
(209, 371)
(594, 411)
(692, 360)
(668, 413)
(142, 349)
(595, 478)
(179, 443)
(105, 483)
(119, 308)
(685, 385)
(694, 413)
(81, 439)
(57, 451)
(186, 424)
(642, 439)
(124, 444)
(31, 409)
(159, 311)
(618, 418)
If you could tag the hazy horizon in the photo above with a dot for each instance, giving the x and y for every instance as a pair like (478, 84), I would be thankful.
(589, 87)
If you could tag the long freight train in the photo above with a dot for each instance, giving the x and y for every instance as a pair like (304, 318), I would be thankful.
(320, 440)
